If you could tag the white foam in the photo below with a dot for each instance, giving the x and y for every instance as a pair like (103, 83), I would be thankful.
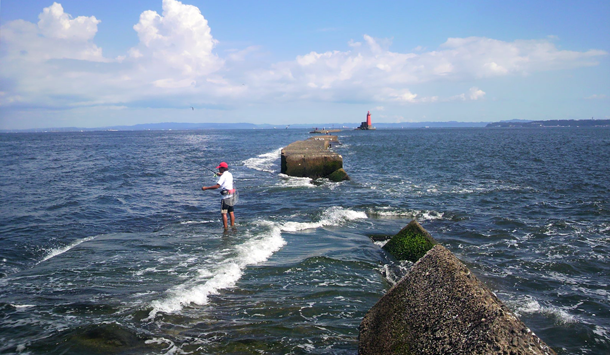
(198, 222)
(601, 332)
(22, 306)
(171, 349)
(292, 181)
(530, 305)
(394, 272)
(264, 162)
(58, 251)
(388, 212)
(331, 216)
(225, 275)
(381, 243)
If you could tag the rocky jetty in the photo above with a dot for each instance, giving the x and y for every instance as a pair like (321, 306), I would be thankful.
(313, 158)
(440, 307)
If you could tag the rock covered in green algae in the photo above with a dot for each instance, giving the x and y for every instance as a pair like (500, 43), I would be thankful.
(411, 243)
(338, 175)
(106, 339)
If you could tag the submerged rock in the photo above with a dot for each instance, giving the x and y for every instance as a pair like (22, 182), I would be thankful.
(338, 175)
(411, 243)
(110, 338)
(440, 307)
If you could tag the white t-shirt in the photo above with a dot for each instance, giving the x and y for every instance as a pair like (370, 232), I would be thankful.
(226, 183)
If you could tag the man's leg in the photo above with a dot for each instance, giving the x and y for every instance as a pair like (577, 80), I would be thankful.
(232, 215)
(224, 220)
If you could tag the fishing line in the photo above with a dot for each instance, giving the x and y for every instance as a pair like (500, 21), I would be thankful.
(235, 197)
(212, 170)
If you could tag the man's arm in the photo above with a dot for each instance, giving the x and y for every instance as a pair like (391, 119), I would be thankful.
(210, 187)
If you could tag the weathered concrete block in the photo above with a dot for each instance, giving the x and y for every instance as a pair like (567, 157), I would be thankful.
(325, 138)
(310, 158)
(338, 175)
(411, 243)
(311, 165)
(440, 307)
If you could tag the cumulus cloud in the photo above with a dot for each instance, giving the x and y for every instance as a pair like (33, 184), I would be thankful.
(376, 69)
(180, 39)
(55, 36)
(476, 94)
(55, 23)
(57, 57)
(473, 94)
(55, 62)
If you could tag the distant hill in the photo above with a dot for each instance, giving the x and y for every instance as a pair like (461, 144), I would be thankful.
(346, 126)
(381, 125)
(150, 126)
(194, 126)
(550, 123)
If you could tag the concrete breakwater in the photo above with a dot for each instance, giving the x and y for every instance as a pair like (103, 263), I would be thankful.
(440, 307)
(313, 158)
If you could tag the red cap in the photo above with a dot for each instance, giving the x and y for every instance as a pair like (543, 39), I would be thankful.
(223, 165)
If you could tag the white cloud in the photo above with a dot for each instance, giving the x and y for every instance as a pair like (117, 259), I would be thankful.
(55, 36)
(175, 55)
(240, 55)
(473, 94)
(179, 40)
(596, 97)
(371, 70)
(476, 94)
(55, 23)
(175, 61)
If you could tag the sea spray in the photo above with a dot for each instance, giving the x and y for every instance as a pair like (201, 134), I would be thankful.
(265, 162)
(58, 251)
(252, 252)
(209, 282)
(331, 216)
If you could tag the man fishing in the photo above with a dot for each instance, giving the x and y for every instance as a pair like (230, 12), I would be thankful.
(225, 184)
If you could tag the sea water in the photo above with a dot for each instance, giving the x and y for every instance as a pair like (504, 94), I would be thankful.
(108, 244)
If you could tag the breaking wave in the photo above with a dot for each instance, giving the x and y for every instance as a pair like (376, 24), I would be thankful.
(225, 275)
(265, 162)
(58, 251)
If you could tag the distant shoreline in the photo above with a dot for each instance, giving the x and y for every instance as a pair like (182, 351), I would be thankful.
(551, 123)
(175, 126)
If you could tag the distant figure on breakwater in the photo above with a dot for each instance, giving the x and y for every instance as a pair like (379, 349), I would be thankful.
(227, 190)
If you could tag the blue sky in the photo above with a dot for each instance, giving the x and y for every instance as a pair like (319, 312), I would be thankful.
(81, 63)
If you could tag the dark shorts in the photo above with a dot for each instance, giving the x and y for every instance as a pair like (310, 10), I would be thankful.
(224, 208)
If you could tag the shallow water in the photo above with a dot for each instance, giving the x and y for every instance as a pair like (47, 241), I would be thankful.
(108, 243)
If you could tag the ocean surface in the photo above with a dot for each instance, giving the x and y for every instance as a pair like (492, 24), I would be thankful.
(108, 245)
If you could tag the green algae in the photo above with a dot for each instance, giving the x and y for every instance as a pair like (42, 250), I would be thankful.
(411, 243)
(338, 175)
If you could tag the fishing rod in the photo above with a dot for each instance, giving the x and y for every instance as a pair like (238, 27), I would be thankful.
(212, 170)
(235, 197)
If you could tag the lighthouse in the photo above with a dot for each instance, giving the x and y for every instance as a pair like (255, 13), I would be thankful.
(366, 125)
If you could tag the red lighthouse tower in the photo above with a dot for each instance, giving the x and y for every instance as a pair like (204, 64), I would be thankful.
(366, 125)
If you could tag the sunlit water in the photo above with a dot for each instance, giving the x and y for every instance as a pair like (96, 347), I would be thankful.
(108, 244)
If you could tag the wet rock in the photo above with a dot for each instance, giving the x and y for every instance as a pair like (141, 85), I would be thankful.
(109, 338)
(338, 175)
(440, 307)
(411, 243)
(312, 158)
